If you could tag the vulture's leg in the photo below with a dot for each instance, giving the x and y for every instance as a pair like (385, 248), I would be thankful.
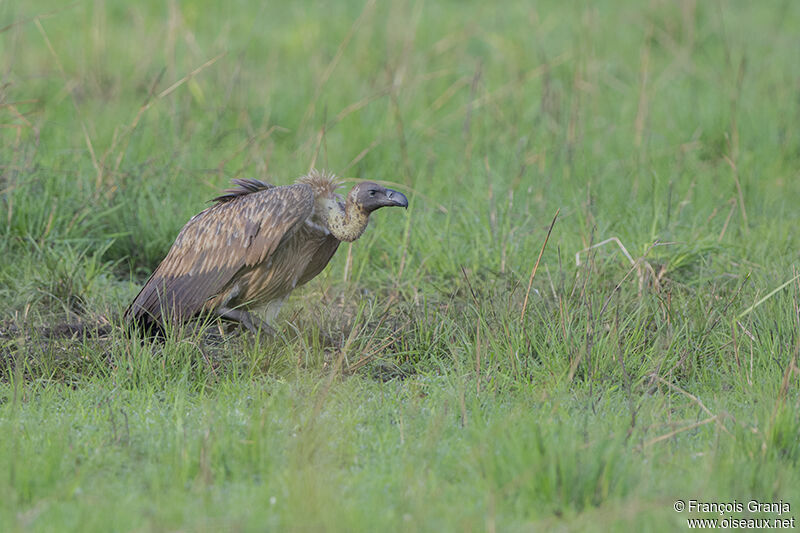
(246, 319)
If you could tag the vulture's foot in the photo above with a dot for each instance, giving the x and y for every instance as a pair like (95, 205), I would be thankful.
(253, 324)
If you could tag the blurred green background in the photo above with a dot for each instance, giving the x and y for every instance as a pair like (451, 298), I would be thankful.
(591, 402)
(629, 116)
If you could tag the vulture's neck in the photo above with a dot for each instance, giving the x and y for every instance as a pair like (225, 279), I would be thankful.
(346, 223)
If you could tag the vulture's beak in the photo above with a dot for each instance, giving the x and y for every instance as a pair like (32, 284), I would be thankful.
(396, 198)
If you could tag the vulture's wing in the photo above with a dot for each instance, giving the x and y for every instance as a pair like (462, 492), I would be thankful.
(320, 259)
(215, 245)
(322, 256)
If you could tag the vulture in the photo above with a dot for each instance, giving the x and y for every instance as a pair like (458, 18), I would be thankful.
(253, 247)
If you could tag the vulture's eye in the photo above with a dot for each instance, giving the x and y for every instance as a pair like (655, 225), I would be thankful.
(372, 192)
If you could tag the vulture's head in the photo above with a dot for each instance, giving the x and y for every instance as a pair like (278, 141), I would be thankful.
(371, 196)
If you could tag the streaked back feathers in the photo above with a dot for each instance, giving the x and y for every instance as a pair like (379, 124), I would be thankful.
(244, 186)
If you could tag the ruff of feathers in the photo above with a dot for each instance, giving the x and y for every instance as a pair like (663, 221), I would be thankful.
(321, 181)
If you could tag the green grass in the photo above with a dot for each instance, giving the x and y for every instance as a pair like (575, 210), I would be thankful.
(458, 399)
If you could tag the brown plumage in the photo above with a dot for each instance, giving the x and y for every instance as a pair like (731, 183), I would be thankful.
(255, 245)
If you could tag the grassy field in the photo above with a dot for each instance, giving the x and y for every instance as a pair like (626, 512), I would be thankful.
(470, 390)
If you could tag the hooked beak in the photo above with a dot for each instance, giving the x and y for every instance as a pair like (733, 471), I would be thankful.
(396, 198)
